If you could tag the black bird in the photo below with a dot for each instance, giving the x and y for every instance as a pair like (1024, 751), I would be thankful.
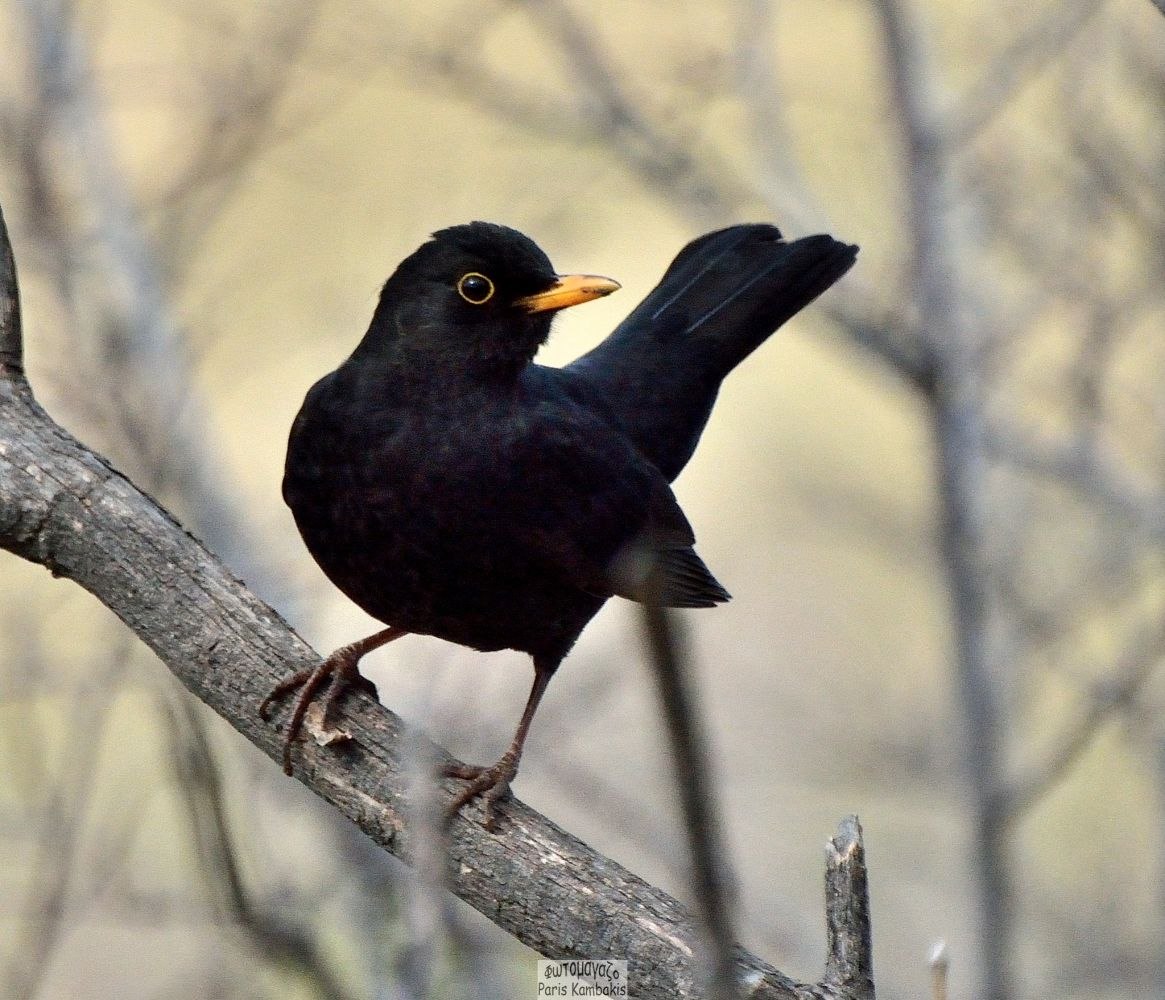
(451, 487)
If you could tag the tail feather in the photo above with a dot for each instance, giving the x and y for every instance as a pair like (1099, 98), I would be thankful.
(722, 297)
(735, 325)
(671, 578)
(687, 582)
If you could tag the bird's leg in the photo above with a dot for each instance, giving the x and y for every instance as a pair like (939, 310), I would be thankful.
(491, 783)
(341, 667)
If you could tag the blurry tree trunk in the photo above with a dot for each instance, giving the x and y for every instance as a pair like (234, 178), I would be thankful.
(982, 732)
(957, 401)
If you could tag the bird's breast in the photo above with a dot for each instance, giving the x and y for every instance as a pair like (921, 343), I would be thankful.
(421, 516)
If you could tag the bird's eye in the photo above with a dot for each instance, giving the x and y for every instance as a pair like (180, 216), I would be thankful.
(475, 288)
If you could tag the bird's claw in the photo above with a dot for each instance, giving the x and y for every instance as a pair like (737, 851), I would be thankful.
(490, 784)
(340, 670)
(282, 689)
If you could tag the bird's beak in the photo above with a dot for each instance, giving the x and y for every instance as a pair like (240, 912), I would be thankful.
(568, 290)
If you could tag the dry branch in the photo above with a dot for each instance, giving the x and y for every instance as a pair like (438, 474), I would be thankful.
(711, 875)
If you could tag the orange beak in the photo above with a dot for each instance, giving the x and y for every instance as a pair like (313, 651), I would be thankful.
(568, 290)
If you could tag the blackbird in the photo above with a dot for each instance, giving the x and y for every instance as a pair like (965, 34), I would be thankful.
(451, 487)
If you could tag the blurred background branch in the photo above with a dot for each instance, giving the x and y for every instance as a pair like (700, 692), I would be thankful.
(713, 880)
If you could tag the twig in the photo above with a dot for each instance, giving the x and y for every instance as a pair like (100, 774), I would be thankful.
(939, 971)
(1131, 671)
(1086, 466)
(656, 155)
(243, 101)
(57, 828)
(849, 964)
(201, 788)
(958, 422)
(711, 875)
(11, 335)
(1039, 44)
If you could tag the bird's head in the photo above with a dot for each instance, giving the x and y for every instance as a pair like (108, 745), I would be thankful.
(477, 297)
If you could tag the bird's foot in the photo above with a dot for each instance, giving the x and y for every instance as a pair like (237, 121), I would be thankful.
(490, 784)
(341, 667)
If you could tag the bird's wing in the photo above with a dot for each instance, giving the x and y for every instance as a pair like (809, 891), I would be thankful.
(660, 565)
(593, 508)
(658, 373)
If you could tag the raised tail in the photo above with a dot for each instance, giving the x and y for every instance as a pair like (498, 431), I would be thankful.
(722, 297)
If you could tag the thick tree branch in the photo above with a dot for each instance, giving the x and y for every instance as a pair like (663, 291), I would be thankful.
(66, 508)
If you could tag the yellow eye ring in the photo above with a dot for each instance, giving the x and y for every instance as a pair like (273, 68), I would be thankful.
(475, 288)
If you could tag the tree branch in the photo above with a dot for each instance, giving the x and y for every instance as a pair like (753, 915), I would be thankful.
(1131, 671)
(201, 788)
(849, 963)
(945, 311)
(65, 507)
(712, 876)
(1084, 464)
(11, 336)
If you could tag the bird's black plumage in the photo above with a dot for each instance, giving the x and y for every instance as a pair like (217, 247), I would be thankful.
(722, 297)
(451, 487)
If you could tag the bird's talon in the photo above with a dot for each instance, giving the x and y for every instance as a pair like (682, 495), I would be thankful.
(342, 673)
(490, 784)
(464, 772)
(489, 799)
(283, 688)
